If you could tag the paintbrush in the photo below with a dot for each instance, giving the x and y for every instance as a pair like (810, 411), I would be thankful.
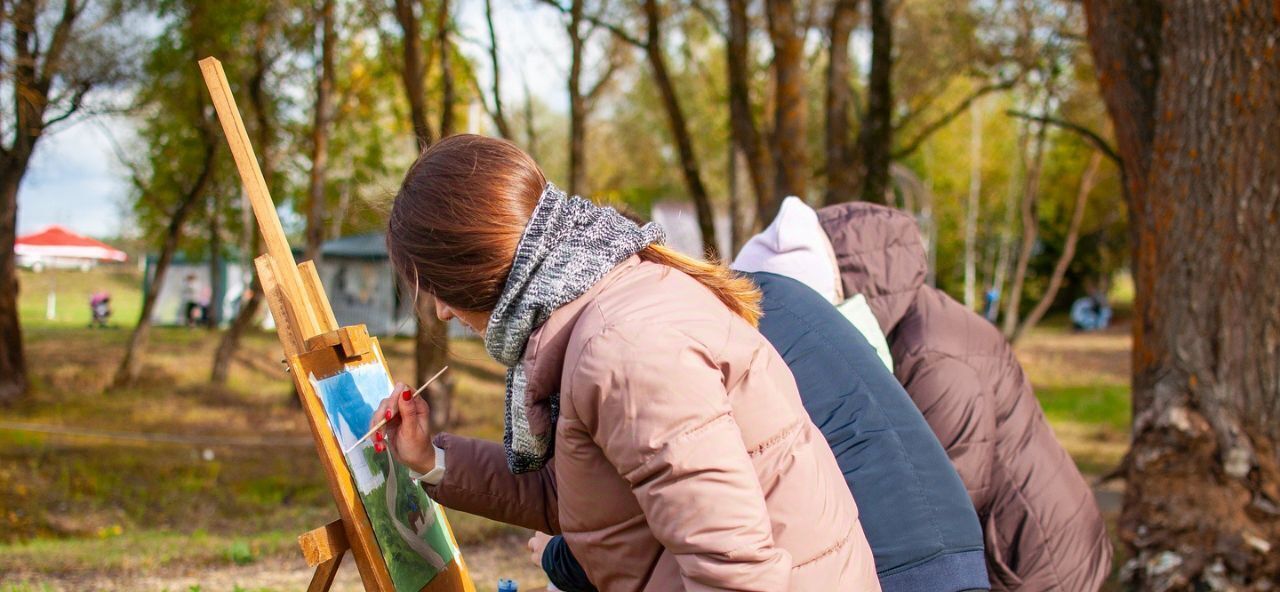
(387, 420)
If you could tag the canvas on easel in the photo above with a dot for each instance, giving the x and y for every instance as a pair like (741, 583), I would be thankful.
(400, 539)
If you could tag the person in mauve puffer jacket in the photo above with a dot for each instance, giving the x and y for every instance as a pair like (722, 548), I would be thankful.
(1042, 526)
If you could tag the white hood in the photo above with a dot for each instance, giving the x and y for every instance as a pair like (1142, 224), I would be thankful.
(796, 246)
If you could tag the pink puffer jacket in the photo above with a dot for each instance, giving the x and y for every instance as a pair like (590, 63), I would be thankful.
(683, 457)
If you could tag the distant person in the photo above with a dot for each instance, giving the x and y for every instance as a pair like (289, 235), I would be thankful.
(1091, 313)
(991, 304)
(1041, 524)
(100, 308)
(191, 307)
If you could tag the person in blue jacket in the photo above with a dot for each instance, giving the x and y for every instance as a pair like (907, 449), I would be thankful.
(915, 511)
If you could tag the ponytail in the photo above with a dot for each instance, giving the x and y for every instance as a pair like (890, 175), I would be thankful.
(737, 293)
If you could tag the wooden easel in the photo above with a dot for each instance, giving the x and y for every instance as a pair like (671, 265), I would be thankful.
(314, 345)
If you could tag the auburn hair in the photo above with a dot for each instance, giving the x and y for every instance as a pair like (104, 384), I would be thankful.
(460, 213)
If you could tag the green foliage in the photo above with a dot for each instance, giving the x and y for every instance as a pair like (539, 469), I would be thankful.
(241, 553)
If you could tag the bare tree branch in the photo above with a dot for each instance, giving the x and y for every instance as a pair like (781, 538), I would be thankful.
(498, 116)
(77, 101)
(58, 45)
(596, 89)
(1089, 135)
(710, 15)
(947, 117)
(619, 32)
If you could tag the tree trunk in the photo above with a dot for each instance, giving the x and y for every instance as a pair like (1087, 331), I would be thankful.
(842, 179)
(1030, 231)
(30, 74)
(320, 135)
(1192, 89)
(413, 70)
(430, 354)
(13, 367)
(1087, 182)
(499, 117)
(444, 23)
(530, 130)
(431, 343)
(230, 342)
(791, 161)
(742, 212)
(679, 128)
(131, 365)
(217, 279)
(971, 208)
(875, 139)
(577, 104)
(745, 134)
(265, 142)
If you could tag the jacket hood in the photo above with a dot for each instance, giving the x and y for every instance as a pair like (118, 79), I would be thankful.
(880, 254)
(795, 246)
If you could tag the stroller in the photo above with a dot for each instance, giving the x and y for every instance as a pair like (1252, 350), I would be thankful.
(100, 307)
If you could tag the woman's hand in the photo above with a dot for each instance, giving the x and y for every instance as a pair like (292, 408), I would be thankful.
(536, 546)
(409, 434)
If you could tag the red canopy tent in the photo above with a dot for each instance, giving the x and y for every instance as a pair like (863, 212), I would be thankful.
(55, 246)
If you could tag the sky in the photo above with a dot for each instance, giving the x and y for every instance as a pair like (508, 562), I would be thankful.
(77, 181)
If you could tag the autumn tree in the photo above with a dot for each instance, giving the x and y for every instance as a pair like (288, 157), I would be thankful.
(1193, 90)
(180, 170)
(57, 57)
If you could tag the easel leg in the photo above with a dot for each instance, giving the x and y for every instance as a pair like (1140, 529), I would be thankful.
(325, 573)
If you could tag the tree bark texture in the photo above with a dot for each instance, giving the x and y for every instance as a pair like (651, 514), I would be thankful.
(743, 129)
(875, 139)
(842, 178)
(791, 154)
(413, 69)
(577, 103)
(1193, 90)
(13, 367)
(444, 25)
(320, 134)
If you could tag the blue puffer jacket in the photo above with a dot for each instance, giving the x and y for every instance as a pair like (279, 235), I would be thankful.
(915, 511)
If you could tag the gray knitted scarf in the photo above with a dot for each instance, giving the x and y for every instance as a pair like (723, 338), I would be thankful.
(569, 244)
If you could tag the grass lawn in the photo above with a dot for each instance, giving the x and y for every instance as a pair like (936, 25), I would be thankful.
(220, 509)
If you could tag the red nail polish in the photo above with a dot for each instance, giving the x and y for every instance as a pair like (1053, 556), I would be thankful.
(407, 394)
(379, 447)
(377, 436)
(388, 414)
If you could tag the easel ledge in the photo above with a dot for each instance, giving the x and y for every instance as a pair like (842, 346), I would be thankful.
(314, 346)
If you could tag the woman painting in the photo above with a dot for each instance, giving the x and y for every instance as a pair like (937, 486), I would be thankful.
(683, 458)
